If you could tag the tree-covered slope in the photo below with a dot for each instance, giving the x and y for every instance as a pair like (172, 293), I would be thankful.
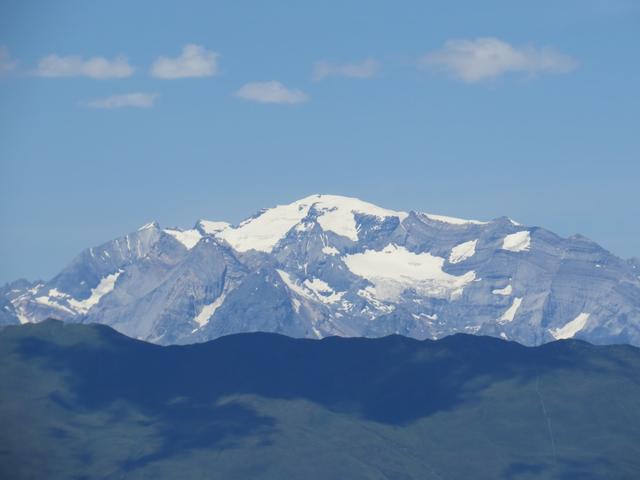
(82, 401)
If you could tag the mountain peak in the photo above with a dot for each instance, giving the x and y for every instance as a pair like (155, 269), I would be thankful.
(336, 265)
(210, 227)
(334, 213)
(452, 220)
(148, 226)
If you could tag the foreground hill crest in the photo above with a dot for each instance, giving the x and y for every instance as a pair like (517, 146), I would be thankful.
(266, 406)
(330, 265)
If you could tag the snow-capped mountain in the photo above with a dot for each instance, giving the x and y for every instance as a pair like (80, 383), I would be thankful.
(331, 265)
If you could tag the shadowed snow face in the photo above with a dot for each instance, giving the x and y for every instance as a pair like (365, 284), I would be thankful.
(330, 265)
(335, 214)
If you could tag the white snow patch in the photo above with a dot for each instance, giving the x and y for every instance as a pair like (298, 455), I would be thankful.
(453, 220)
(510, 314)
(313, 289)
(329, 250)
(52, 299)
(370, 294)
(54, 292)
(339, 217)
(296, 304)
(570, 328)
(336, 221)
(463, 251)
(189, 238)
(346, 305)
(22, 318)
(395, 269)
(263, 232)
(292, 285)
(335, 213)
(304, 226)
(208, 310)
(323, 291)
(517, 242)
(106, 285)
(317, 285)
(508, 290)
(210, 227)
(45, 300)
(424, 315)
(146, 226)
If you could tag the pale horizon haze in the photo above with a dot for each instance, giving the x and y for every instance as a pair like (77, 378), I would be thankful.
(114, 114)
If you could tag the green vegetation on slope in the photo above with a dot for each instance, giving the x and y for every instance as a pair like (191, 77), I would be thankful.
(82, 401)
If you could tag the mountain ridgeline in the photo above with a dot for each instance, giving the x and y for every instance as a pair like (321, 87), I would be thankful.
(328, 265)
(83, 401)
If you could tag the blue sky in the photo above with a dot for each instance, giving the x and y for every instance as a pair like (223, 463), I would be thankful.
(115, 113)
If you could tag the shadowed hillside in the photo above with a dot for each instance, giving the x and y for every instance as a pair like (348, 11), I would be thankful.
(82, 401)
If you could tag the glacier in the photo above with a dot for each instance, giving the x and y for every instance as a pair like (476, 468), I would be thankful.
(332, 265)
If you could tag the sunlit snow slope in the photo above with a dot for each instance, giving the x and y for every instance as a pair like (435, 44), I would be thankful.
(331, 265)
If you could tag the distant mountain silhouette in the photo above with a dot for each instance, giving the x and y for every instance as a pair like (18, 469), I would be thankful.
(83, 401)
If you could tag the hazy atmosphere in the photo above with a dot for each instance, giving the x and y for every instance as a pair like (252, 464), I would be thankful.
(363, 240)
(118, 113)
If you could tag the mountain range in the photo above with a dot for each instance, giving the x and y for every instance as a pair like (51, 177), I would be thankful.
(328, 265)
(85, 402)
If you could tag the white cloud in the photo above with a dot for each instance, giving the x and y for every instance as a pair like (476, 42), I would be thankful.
(75, 66)
(365, 69)
(270, 92)
(483, 58)
(6, 63)
(139, 100)
(195, 61)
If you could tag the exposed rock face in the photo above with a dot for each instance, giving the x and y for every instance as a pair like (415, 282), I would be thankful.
(328, 265)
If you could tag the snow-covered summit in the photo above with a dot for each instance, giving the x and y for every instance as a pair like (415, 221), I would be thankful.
(334, 265)
(334, 213)
(211, 227)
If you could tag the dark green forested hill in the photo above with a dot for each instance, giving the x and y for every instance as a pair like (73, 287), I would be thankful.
(82, 401)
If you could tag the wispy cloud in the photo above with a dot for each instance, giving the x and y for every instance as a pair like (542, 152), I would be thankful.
(364, 69)
(138, 100)
(7, 64)
(195, 61)
(476, 60)
(271, 92)
(75, 66)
